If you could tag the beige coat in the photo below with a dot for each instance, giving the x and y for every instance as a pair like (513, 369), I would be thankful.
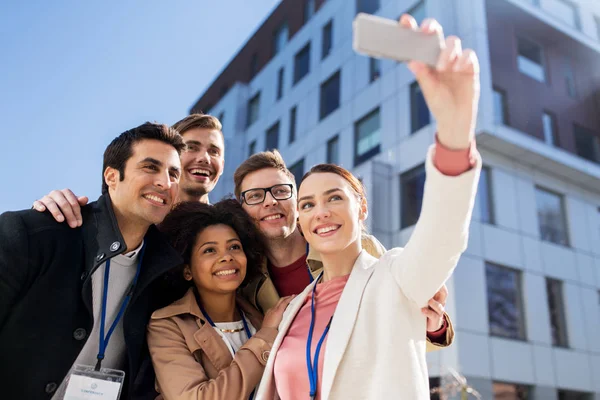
(193, 362)
(376, 343)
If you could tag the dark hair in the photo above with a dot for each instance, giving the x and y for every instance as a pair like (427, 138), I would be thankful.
(121, 148)
(188, 219)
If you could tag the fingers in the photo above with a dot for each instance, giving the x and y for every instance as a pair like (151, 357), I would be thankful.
(51, 206)
(434, 321)
(437, 307)
(39, 206)
(82, 200)
(407, 21)
(441, 295)
(71, 209)
(450, 54)
(431, 26)
(467, 63)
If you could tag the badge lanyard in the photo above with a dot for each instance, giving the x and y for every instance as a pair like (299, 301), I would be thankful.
(313, 366)
(310, 275)
(210, 321)
(104, 339)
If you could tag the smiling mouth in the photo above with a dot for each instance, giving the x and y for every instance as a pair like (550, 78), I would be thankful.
(226, 272)
(200, 172)
(272, 217)
(155, 199)
(327, 229)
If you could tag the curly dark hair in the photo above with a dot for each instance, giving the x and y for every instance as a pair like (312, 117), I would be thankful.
(183, 224)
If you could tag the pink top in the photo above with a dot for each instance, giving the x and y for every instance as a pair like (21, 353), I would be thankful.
(291, 375)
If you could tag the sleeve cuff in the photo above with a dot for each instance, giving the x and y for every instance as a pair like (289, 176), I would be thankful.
(454, 162)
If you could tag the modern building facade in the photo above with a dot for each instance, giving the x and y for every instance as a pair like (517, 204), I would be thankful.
(525, 297)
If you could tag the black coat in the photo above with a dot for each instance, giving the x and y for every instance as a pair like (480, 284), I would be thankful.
(46, 298)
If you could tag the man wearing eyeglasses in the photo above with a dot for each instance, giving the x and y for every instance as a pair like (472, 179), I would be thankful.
(267, 191)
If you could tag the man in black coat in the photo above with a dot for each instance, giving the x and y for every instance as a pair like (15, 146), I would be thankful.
(55, 281)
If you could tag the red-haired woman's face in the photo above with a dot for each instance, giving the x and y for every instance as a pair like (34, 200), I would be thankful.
(330, 212)
(218, 261)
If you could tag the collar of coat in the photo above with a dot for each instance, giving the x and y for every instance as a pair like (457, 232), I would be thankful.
(103, 240)
(188, 305)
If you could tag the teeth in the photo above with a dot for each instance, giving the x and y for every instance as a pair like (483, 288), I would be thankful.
(326, 229)
(200, 171)
(155, 198)
(226, 272)
(272, 217)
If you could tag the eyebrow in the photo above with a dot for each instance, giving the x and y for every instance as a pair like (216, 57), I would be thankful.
(325, 193)
(228, 241)
(152, 161)
(198, 143)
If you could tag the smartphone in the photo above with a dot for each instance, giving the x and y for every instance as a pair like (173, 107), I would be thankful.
(385, 38)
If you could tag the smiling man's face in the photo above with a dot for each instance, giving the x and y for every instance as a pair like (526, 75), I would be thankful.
(275, 218)
(202, 162)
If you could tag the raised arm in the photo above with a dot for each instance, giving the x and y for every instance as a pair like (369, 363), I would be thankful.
(451, 91)
(62, 204)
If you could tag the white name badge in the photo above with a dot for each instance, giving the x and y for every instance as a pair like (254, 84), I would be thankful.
(84, 383)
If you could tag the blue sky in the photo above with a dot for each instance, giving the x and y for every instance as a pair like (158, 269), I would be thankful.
(75, 74)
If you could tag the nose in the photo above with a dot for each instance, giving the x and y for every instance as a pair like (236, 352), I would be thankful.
(203, 157)
(269, 200)
(163, 180)
(227, 258)
(322, 212)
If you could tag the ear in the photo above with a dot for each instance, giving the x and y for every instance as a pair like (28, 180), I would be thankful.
(364, 209)
(111, 177)
(299, 227)
(187, 273)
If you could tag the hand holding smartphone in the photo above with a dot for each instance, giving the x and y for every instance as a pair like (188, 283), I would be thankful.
(385, 38)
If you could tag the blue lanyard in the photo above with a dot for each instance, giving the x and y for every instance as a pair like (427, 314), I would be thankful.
(313, 366)
(104, 339)
(210, 321)
(310, 276)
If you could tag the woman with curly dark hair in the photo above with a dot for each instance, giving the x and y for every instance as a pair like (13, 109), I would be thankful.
(212, 344)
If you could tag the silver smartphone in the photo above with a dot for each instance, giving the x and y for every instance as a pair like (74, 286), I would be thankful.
(385, 38)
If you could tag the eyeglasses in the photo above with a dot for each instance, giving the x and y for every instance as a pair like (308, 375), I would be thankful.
(254, 196)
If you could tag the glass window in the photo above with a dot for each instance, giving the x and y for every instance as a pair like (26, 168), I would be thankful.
(556, 306)
(367, 6)
(419, 112)
(309, 10)
(565, 11)
(412, 184)
(549, 126)
(333, 149)
(326, 39)
(551, 216)
(221, 118)
(253, 109)
(505, 304)
(253, 65)
(280, 76)
(500, 112)
(570, 79)
(298, 171)
(511, 391)
(374, 69)
(302, 63)
(292, 124)
(272, 137)
(280, 38)
(484, 197)
(366, 137)
(587, 143)
(597, 19)
(330, 95)
(530, 59)
(252, 148)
